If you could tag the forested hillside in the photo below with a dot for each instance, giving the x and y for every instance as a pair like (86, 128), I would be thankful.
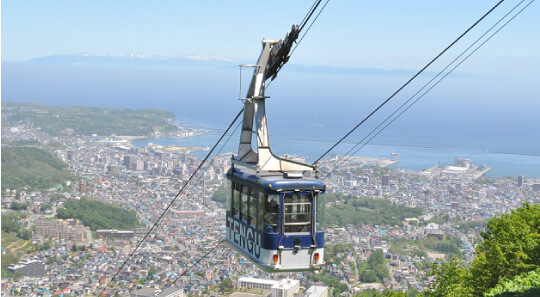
(345, 209)
(33, 167)
(82, 120)
(98, 215)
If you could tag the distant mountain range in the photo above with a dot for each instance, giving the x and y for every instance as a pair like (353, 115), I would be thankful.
(132, 59)
(194, 60)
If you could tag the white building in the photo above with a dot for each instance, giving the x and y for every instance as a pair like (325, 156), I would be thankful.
(256, 283)
(317, 291)
(172, 292)
(28, 267)
(454, 170)
(286, 288)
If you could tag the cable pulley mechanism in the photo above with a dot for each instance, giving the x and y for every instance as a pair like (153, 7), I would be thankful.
(279, 55)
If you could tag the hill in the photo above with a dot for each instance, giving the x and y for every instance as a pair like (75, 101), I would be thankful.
(346, 209)
(33, 167)
(98, 215)
(83, 120)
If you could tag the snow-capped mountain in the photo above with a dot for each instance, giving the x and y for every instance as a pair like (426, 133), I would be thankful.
(132, 59)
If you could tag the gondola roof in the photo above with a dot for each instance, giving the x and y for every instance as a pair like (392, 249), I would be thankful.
(275, 181)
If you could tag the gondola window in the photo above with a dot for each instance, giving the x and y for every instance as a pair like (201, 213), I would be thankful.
(236, 200)
(244, 203)
(297, 212)
(271, 214)
(253, 208)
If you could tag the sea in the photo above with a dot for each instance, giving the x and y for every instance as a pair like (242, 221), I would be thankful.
(413, 158)
(466, 117)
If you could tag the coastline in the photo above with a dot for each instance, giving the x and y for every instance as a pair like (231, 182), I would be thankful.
(410, 158)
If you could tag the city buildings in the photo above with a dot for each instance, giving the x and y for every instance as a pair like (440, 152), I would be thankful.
(317, 291)
(285, 288)
(28, 268)
(61, 229)
(255, 283)
(111, 171)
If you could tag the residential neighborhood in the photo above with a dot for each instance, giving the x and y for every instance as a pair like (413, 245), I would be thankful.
(178, 247)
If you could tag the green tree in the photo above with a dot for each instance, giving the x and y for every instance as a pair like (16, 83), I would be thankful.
(392, 293)
(24, 234)
(526, 285)
(376, 257)
(368, 293)
(510, 246)
(8, 259)
(221, 194)
(368, 276)
(451, 280)
(10, 222)
(329, 281)
(225, 285)
(374, 270)
(18, 206)
(50, 260)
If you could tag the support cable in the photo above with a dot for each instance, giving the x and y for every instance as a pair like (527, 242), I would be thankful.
(348, 154)
(309, 14)
(172, 202)
(204, 170)
(409, 81)
(313, 22)
(304, 22)
(196, 263)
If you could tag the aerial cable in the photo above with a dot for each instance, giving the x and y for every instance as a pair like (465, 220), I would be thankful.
(208, 165)
(348, 154)
(173, 200)
(310, 25)
(302, 25)
(470, 54)
(304, 22)
(409, 81)
(309, 14)
(196, 262)
(218, 152)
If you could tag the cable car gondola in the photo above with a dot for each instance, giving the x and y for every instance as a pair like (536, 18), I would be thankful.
(271, 220)
(272, 207)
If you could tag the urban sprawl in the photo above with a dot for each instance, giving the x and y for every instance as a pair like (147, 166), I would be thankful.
(146, 179)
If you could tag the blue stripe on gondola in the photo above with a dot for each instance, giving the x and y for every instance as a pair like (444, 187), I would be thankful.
(270, 241)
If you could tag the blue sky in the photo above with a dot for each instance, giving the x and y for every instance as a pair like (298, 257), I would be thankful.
(387, 34)
(380, 34)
